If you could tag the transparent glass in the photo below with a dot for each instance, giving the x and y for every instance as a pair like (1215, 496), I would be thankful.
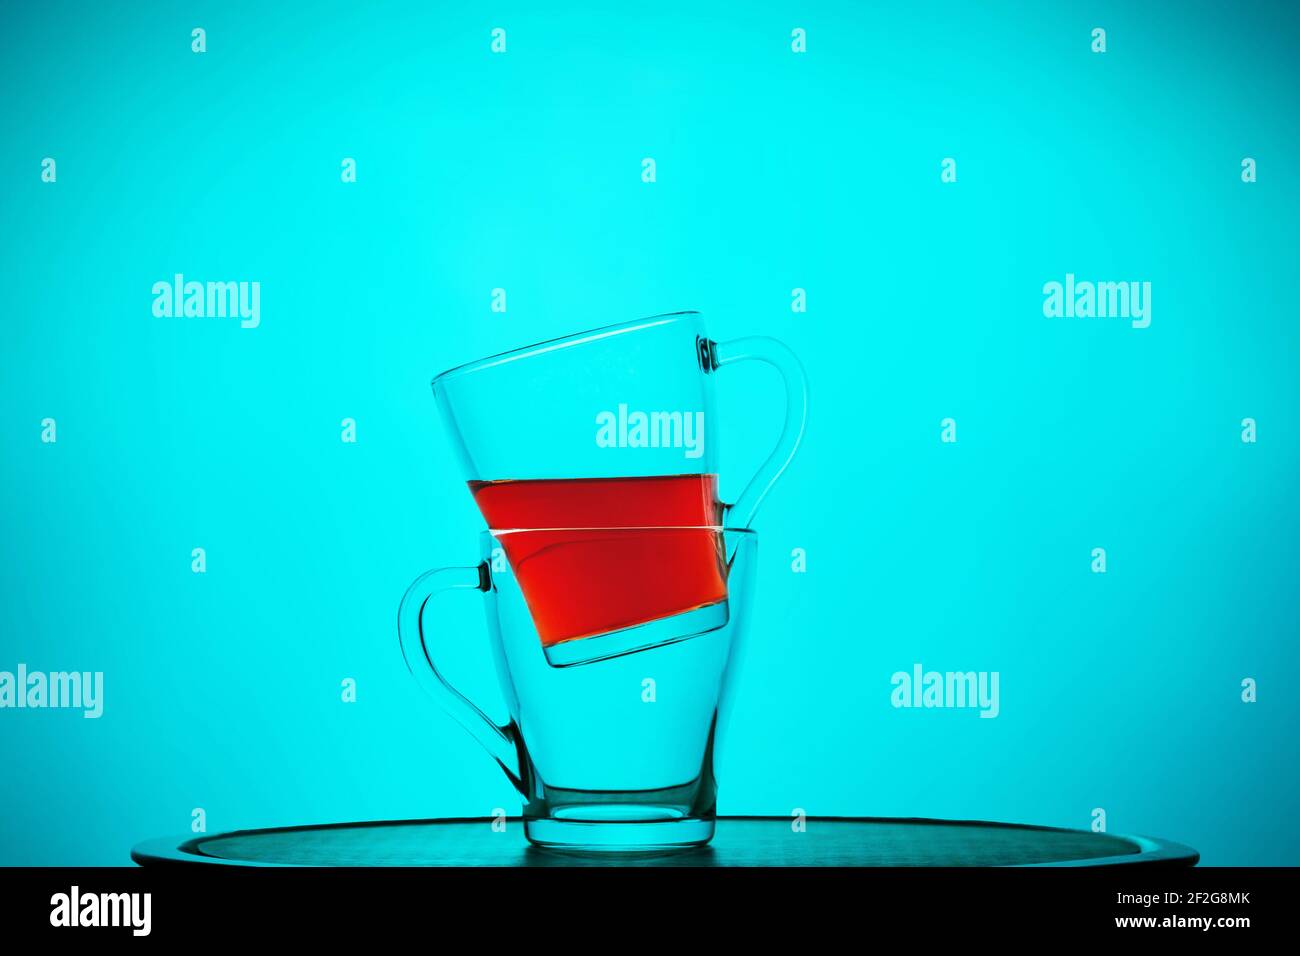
(614, 756)
(612, 428)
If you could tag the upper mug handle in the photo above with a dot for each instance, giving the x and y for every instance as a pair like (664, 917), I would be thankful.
(761, 348)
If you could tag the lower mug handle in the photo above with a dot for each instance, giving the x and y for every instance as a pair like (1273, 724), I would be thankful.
(500, 742)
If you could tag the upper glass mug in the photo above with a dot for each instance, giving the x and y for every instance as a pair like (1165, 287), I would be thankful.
(615, 428)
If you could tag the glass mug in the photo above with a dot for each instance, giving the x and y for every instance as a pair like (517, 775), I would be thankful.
(614, 756)
(613, 428)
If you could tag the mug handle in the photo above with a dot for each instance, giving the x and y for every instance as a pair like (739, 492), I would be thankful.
(500, 742)
(763, 349)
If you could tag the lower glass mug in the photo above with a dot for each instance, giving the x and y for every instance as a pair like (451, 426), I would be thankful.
(613, 755)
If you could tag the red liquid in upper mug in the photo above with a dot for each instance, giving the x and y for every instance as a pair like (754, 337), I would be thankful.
(602, 554)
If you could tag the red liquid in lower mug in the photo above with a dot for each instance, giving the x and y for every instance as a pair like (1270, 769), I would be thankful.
(601, 554)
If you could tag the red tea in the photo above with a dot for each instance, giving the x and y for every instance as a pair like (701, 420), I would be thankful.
(594, 555)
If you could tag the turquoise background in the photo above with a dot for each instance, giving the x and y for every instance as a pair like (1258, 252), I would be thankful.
(775, 171)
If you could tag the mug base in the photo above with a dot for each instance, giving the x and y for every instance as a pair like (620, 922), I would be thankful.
(618, 836)
(642, 637)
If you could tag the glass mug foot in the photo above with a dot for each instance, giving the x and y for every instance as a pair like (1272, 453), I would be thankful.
(638, 831)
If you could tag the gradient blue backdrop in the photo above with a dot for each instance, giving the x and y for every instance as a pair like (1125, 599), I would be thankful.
(775, 170)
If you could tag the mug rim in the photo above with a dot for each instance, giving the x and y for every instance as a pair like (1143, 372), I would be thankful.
(563, 341)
